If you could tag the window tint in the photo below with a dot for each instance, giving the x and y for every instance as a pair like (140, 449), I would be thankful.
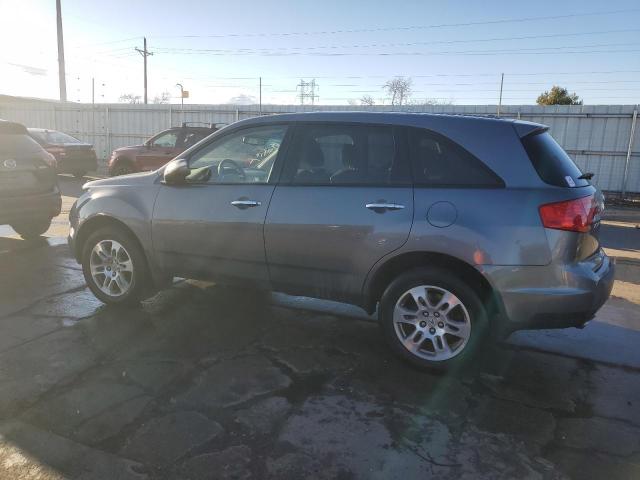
(55, 138)
(345, 154)
(551, 162)
(437, 161)
(168, 140)
(191, 138)
(12, 145)
(246, 156)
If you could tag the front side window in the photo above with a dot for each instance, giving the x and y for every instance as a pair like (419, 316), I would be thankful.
(167, 140)
(438, 161)
(246, 156)
(345, 155)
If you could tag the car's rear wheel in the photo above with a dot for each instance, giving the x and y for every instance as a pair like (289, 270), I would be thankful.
(432, 318)
(115, 267)
(32, 228)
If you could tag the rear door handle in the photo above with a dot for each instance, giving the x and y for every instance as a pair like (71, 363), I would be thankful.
(245, 203)
(384, 206)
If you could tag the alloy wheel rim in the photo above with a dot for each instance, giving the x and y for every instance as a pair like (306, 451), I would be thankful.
(111, 268)
(432, 323)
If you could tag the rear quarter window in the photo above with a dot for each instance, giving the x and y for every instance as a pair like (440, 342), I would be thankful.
(440, 162)
(551, 162)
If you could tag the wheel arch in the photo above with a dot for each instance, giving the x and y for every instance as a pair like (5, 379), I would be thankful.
(391, 268)
(99, 221)
(122, 159)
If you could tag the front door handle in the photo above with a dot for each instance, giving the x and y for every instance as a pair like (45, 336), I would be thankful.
(380, 207)
(245, 203)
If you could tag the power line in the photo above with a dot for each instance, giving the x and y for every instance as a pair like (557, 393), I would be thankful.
(405, 28)
(391, 45)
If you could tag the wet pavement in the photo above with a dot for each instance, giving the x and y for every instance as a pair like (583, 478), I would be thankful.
(204, 381)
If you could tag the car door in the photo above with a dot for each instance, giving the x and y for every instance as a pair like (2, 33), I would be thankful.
(344, 202)
(160, 149)
(211, 227)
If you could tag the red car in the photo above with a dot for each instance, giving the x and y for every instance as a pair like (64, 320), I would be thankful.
(72, 155)
(158, 150)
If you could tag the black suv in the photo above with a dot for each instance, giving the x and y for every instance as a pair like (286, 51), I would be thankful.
(29, 194)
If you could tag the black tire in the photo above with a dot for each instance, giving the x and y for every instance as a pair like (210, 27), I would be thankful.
(122, 167)
(79, 174)
(33, 228)
(437, 277)
(141, 283)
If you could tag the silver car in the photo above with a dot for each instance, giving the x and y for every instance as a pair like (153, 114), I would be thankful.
(453, 228)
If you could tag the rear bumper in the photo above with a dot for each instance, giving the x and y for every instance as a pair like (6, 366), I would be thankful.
(24, 207)
(553, 296)
(77, 164)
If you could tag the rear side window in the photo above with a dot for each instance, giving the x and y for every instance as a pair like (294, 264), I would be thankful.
(551, 162)
(437, 161)
(14, 145)
(344, 154)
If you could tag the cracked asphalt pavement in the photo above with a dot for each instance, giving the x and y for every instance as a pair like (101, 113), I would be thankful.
(209, 382)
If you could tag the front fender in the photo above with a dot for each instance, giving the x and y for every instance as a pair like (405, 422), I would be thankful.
(130, 205)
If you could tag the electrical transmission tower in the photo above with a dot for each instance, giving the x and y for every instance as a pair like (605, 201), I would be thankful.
(308, 91)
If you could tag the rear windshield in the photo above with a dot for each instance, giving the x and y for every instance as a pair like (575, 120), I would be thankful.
(55, 138)
(15, 145)
(551, 162)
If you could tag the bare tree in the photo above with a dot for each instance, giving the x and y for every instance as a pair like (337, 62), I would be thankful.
(164, 97)
(399, 89)
(367, 100)
(129, 98)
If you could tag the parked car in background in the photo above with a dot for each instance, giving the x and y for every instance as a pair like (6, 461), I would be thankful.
(29, 194)
(158, 150)
(72, 155)
(453, 228)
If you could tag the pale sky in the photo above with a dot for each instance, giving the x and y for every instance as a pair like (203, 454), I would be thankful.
(453, 51)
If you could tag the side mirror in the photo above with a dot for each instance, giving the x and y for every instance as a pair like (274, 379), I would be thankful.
(176, 171)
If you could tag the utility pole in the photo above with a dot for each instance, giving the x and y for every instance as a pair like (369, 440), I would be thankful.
(308, 90)
(145, 53)
(260, 95)
(93, 91)
(500, 99)
(62, 79)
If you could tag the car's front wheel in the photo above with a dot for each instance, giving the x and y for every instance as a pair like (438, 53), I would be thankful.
(431, 318)
(32, 228)
(115, 267)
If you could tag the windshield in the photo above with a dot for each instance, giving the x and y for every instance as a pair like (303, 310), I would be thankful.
(12, 145)
(54, 137)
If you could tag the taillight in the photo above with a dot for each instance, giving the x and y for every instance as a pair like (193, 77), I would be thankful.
(573, 215)
(49, 159)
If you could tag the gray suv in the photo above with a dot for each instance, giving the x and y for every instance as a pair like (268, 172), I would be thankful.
(452, 228)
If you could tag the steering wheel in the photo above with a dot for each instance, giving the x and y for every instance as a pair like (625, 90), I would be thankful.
(228, 164)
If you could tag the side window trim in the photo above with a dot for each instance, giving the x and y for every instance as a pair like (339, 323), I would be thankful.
(277, 166)
(400, 151)
(411, 131)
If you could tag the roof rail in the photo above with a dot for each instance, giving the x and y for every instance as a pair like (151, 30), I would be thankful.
(206, 124)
